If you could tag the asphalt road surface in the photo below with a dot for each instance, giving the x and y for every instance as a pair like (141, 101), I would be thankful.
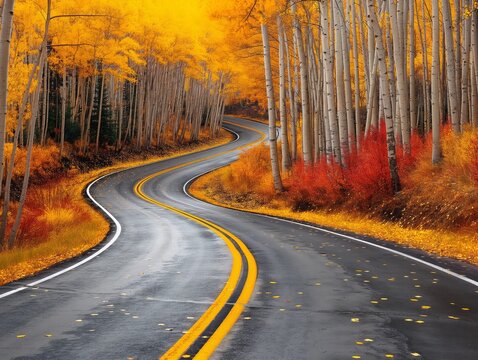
(318, 294)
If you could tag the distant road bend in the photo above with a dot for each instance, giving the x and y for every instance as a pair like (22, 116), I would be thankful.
(180, 278)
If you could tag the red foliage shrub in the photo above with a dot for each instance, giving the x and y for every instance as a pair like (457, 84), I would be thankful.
(365, 181)
(316, 186)
(34, 228)
(368, 175)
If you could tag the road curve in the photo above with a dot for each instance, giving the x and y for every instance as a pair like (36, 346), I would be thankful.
(318, 294)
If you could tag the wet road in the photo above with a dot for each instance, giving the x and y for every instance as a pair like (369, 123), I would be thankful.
(318, 294)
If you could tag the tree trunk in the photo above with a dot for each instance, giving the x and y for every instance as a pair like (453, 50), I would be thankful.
(31, 135)
(387, 104)
(436, 146)
(306, 136)
(100, 113)
(292, 100)
(358, 125)
(64, 93)
(329, 84)
(286, 161)
(413, 105)
(272, 111)
(5, 36)
(450, 67)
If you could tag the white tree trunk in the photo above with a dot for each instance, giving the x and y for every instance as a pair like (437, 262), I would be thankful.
(272, 111)
(387, 104)
(304, 89)
(286, 161)
(450, 67)
(5, 36)
(435, 96)
(329, 84)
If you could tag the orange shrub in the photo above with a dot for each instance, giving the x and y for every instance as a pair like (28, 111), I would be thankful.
(250, 175)
(45, 162)
(444, 195)
(474, 161)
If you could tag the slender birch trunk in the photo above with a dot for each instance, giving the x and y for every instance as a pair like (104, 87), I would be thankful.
(387, 104)
(31, 135)
(339, 78)
(412, 44)
(358, 125)
(306, 136)
(5, 36)
(292, 100)
(450, 67)
(286, 160)
(436, 146)
(272, 111)
(329, 84)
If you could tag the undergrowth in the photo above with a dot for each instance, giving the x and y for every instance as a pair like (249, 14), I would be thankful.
(435, 211)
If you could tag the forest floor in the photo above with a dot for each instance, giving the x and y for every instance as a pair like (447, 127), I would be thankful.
(58, 223)
(436, 209)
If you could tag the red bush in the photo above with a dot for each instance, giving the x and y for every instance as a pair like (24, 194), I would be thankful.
(364, 182)
(33, 227)
(316, 186)
(368, 175)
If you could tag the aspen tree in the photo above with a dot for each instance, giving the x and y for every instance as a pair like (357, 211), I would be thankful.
(413, 105)
(450, 66)
(387, 105)
(304, 89)
(465, 75)
(347, 75)
(400, 69)
(329, 84)
(358, 125)
(31, 133)
(286, 160)
(436, 146)
(339, 77)
(272, 111)
(292, 100)
(5, 36)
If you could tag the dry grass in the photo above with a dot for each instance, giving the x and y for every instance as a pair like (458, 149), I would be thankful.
(59, 224)
(439, 202)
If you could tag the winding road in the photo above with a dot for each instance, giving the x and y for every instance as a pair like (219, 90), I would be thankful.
(179, 278)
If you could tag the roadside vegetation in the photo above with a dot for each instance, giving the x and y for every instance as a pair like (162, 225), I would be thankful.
(377, 103)
(436, 211)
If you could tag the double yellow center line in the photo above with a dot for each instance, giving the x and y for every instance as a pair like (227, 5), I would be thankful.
(209, 330)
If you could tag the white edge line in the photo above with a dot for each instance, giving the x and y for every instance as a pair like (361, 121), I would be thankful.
(87, 259)
(411, 257)
(103, 248)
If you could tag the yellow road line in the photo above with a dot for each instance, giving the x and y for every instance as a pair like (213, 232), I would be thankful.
(184, 343)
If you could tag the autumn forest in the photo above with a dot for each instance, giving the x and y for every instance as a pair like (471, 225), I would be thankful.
(356, 116)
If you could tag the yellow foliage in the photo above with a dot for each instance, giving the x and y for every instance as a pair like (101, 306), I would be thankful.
(45, 160)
